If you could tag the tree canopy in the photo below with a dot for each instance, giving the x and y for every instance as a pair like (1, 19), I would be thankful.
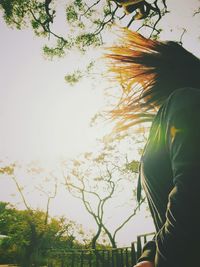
(84, 21)
(28, 234)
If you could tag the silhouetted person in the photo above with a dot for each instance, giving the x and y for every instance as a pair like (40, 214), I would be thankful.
(161, 82)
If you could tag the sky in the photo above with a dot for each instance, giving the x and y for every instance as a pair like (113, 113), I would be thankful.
(41, 115)
(43, 119)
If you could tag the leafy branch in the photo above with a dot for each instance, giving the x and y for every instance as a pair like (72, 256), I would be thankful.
(87, 21)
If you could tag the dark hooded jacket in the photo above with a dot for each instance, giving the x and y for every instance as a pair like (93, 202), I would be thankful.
(170, 177)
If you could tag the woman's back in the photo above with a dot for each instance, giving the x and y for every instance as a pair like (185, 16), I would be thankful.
(170, 169)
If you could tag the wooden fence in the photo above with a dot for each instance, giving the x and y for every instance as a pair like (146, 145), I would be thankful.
(92, 258)
(112, 257)
(141, 240)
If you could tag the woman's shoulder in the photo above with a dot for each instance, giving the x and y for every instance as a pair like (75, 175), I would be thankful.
(183, 98)
(181, 102)
(186, 93)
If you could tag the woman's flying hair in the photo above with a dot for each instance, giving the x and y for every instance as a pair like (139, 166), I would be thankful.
(149, 71)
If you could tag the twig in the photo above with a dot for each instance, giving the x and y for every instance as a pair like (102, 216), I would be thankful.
(130, 22)
(181, 37)
(21, 193)
(128, 219)
(164, 3)
(104, 23)
(159, 18)
(89, 8)
(196, 12)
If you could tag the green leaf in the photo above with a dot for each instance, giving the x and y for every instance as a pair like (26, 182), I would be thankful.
(73, 78)
(133, 166)
(71, 14)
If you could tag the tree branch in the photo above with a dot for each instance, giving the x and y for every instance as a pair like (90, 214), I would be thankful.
(128, 219)
(20, 192)
(89, 8)
(181, 37)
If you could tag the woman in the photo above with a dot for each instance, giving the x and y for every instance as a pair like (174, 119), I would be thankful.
(162, 80)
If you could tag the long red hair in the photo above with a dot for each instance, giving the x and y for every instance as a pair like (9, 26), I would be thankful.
(149, 71)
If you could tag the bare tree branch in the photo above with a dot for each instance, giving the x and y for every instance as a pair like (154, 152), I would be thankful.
(90, 8)
(129, 217)
(104, 22)
(106, 174)
(196, 12)
(20, 192)
(181, 37)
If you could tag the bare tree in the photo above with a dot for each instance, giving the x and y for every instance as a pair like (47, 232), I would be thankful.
(100, 181)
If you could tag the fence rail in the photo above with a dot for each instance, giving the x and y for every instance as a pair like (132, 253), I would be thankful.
(93, 258)
(112, 257)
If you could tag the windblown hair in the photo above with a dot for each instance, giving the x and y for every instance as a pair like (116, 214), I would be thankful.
(149, 71)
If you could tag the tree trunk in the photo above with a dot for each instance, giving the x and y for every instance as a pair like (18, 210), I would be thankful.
(95, 238)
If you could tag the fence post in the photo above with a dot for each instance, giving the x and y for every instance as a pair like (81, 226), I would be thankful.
(126, 257)
(121, 257)
(97, 258)
(118, 264)
(139, 247)
(72, 259)
(90, 258)
(82, 258)
(133, 254)
(145, 239)
(103, 254)
(113, 257)
(62, 263)
(108, 258)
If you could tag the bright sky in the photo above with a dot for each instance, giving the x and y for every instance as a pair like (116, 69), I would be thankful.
(43, 118)
(41, 115)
